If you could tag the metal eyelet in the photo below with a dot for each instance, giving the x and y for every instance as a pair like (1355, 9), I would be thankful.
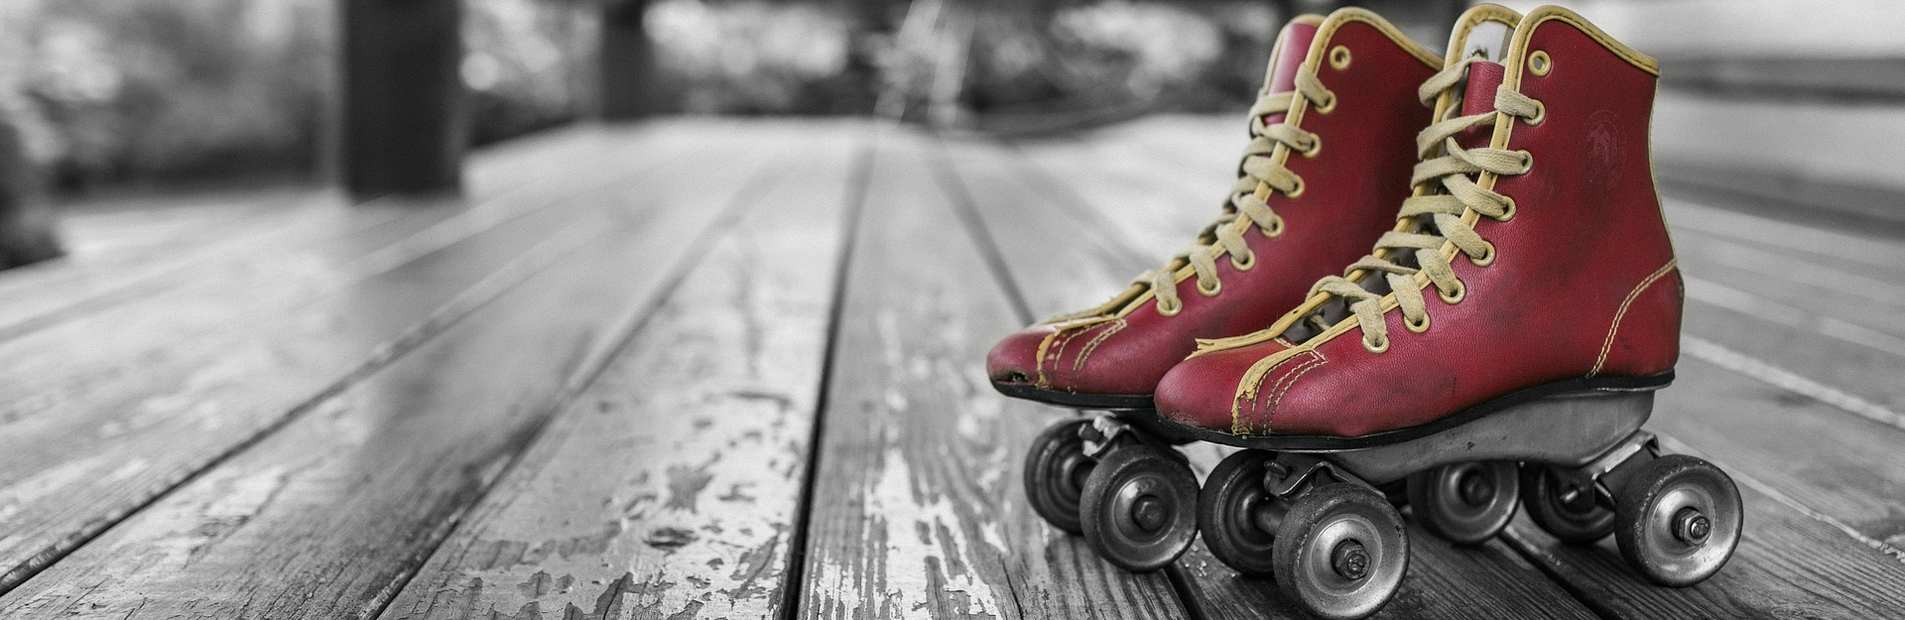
(1327, 105)
(1541, 113)
(1527, 161)
(1453, 297)
(1339, 57)
(1216, 288)
(1275, 230)
(1295, 191)
(1487, 258)
(1508, 209)
(1417, 327)
(1376, 347)
(1539, 63)
(1249, 260)
(1170, 310)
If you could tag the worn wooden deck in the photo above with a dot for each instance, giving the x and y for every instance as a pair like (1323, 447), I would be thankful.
(706, 368)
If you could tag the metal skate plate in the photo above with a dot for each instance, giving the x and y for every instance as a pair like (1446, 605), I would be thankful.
(1568, 430)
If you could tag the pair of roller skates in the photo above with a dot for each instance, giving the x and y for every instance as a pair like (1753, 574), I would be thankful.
(1526, 205)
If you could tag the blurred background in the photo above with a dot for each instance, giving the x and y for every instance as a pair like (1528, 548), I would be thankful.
(103, 99)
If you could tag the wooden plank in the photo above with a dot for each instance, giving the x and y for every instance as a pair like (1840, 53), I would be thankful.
(288, 248)
(916, 506)
(1444, 582)
(332, 514)
(111, 424)
(671, 485)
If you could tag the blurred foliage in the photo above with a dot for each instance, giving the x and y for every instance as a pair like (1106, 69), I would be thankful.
(111, 92)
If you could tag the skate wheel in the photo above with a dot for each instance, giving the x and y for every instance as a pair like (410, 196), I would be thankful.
(1341, 551)
(1055, 470)
(1465, 503)
(1678, 520)
(1237, 517)
(1137, 507)
(1569, 512)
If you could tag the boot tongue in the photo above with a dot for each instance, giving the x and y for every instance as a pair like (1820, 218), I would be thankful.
(1478, 96)
(1293, 44)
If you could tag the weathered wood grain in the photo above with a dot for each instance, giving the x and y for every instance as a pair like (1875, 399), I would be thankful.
(302, 249)
(331, 514)
(916, 503)
(104, 427)
(1444, 581)
(671, 485)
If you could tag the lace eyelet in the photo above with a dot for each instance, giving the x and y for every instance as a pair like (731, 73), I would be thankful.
(1295, 191)
(1316, 146)
(1527, 161)
(1508, 209)
(1249, 261)
(1415, 327)
(1216, 288)
(1327, 106)
(1275, 230)
(1453, 297)
(1539, 63)
(1376, 347)
(1541, 114)
(1339, 57)
(1170, 310)
(1487, 258)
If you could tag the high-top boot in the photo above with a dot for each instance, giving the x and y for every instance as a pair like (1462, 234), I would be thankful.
(1532, 259)
(1500, 347)
(1318, 183)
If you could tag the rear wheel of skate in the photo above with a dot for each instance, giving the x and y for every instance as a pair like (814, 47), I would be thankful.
(1341, 551)
(1465, 503)
(1678, 520)
(1137, 507)
(1568, 510)
(1237, 517)
(1055, 470)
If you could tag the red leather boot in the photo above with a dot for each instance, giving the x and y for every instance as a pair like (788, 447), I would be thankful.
(1523, 311)
(1326, 164)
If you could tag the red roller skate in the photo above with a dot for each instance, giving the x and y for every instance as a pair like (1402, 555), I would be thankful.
(1327, 162)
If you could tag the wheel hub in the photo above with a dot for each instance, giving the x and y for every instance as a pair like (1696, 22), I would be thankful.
(1350, 560)
(1476, 488)
(1148, 513)
(1691, 527)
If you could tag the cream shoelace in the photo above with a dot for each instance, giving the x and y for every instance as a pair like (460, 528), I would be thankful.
(1444, 161)
(1256, 168)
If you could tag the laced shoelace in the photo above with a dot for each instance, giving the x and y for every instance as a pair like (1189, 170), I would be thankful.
(1445, 162)
(1256, 168)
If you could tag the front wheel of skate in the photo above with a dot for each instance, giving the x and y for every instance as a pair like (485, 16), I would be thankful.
(1567, 510)
(1055, 470)
(1137, 507)
(1677, 520)
(1341, 551)
(1237, 516)
(1465, 503)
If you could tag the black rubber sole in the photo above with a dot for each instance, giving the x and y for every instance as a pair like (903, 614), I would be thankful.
(1074, 400)
(1328, 443)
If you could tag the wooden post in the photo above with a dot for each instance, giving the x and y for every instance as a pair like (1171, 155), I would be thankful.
(27, 232)
(405, 124)
(626, 81)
